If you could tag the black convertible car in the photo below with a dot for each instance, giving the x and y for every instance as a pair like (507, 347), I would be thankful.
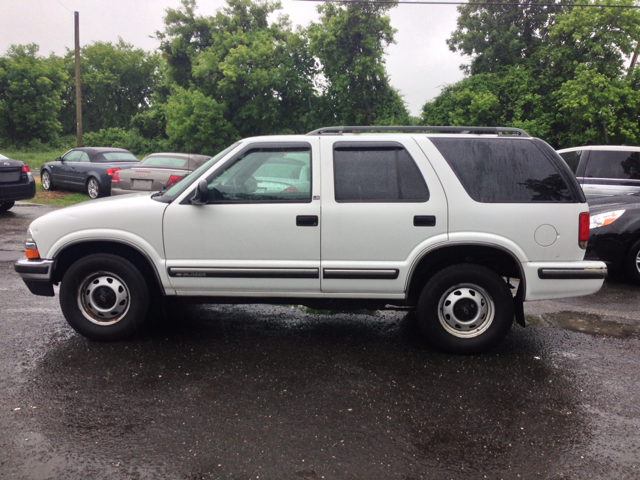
(16, 182)
(614, 235)
(88, 169)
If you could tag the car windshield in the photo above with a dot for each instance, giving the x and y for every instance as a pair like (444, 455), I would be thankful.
(178, 188)
(120, 157)
(167, 162)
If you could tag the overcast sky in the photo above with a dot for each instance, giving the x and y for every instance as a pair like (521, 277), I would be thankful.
(419, 64)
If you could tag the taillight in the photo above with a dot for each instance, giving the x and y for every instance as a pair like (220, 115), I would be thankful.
(173, 179)
(116, 177)
(26, 169)
(112, 171)
(583, 230)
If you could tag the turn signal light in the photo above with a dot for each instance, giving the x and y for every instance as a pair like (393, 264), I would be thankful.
(583, 230)
(112, 171)
(116, 178)
(31, 254)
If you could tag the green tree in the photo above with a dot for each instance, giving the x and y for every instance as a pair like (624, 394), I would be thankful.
(196, 123)
(30, 95)
(117, 83)
(498, 36)
(349, 42)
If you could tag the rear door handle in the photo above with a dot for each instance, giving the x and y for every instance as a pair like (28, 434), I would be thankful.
(307, 220)
(424, 221)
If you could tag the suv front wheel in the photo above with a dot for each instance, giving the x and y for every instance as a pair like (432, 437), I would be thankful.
(104, 297)
(465, 309)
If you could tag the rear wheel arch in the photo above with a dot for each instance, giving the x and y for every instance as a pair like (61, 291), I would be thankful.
(499, 260)
(75, 251)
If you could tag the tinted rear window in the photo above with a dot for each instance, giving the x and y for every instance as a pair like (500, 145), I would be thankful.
(572, 159)
(376, 174)
(623, 165)
(167, 162)
(504, 170)
(120, 157)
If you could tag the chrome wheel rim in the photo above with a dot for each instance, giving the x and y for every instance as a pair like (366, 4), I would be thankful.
(638, 261)
(103, 298)
(466, 310)
(93, 188)
(46, 181)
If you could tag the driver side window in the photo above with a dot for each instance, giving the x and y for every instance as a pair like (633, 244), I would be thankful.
(265, 175)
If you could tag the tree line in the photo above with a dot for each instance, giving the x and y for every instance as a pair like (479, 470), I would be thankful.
(559, 72)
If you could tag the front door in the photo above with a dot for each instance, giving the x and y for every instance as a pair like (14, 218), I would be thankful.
(258, 233)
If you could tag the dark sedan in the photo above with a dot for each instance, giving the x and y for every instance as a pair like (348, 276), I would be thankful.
(155, 171)
(614, 235)
(88, 169)
(16, 182)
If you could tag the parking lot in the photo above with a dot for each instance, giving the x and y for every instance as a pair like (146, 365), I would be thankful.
(280, 392)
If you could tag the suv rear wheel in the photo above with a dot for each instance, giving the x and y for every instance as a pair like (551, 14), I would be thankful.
(104, 297)
(465, 309)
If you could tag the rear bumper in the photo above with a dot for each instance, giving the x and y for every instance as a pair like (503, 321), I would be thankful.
(36, 275)
(549, 280)
(10, 192)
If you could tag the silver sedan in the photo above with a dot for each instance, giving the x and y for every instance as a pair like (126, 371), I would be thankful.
(155, 171)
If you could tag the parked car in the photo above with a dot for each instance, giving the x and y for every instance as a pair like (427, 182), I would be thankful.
(88, 169)
(462, 224)
(155, 171)
(604, 171)
(614, 233)
(16, 182)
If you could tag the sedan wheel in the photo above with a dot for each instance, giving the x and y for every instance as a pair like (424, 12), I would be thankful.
(45, 179)
(93, 188)
(633, 263)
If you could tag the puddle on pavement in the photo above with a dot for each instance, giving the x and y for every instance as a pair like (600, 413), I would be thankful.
(586, 323)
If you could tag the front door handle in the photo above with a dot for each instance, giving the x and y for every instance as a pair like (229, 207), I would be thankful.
(307, 220)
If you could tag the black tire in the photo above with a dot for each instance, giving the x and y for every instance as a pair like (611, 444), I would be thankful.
(6, 206)
(632, 263)
(93, 188)
(465, 309)
(45, 180)
(104, 297)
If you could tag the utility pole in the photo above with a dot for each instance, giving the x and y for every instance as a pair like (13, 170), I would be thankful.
(78, 95)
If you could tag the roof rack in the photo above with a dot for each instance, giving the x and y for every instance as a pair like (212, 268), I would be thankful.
(438, 129)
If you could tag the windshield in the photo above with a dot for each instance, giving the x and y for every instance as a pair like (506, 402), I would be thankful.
(178, 188)
(167, 162)
(120, 157)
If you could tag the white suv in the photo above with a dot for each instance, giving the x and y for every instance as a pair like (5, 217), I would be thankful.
(462, 223)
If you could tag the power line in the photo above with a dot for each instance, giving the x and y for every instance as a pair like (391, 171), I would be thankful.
(482, 4)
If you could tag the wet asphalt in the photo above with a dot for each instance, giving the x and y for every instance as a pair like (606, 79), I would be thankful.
(278, 392)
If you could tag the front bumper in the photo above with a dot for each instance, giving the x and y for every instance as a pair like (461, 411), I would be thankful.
(36, 275)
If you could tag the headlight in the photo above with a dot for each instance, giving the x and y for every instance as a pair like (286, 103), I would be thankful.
(603, 219)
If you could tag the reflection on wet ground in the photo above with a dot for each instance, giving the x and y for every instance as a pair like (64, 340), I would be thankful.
(591, 324)
(233, 392)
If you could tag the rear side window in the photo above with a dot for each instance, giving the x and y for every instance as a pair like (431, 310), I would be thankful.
(622, 165)
(572, 159)
(504, 170)
(120, 157)
(383, 172)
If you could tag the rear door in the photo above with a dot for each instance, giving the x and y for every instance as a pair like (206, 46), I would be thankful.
(382, 204)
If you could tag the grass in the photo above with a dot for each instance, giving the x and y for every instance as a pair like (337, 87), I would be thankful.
(34, 160)
(56, 198)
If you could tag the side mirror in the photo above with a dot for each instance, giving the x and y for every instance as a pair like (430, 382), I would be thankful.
(201, 195)
(58, 159)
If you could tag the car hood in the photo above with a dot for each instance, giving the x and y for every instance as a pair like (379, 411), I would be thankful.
(618, 202)
(134, 219)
